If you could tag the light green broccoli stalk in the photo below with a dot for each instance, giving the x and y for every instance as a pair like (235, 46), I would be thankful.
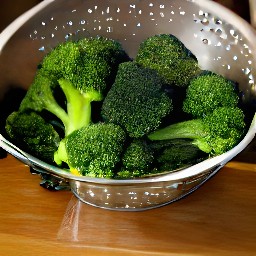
(214, 134)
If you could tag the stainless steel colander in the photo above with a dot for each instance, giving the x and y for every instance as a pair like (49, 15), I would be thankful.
(222, 42)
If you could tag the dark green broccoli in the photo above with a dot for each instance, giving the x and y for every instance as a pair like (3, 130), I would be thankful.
(33, 134)
(171, 155)
(81, 72)
(214, 134)
(136, 100)
(93, 150)
(137, 160)
(207, 92)
(170, 58)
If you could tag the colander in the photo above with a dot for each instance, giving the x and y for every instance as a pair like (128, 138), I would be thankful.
(222, 41)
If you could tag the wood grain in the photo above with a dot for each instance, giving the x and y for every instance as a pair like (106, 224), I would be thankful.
(218, 219)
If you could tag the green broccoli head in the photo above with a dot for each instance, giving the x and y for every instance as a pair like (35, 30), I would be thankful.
(108, 49)
(93, 150)
(170, 58)
(214, 134)
(208, 92)
(92, 76)
(33, 134)
(225, 128)
(136, 100)
(62, 60)
(100, 58)
(137, 160)
(89, 63)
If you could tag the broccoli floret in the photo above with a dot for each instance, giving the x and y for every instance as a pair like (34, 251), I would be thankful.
(170, 58)
(33, 134)
(82, 76)
(207, 92)
(100, 57)
(61, 61)
(136, 100)
(214, 134)
(137, 160)
(109, 50)
(93, 150)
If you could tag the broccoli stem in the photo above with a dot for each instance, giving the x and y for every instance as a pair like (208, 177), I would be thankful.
(61, 154)
(78, 114)
(78, 106)
(54, 108)
(191, 129)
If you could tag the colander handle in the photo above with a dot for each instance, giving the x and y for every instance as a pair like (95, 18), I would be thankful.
(50, 179)
(13, 150)
(34, 163)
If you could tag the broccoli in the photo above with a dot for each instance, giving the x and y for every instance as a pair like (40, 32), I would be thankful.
(40, 97)
(174, 154)
(62, 60)
(107, 49)
(137, 160)
(32, 133)
(82, 70)
(93, 150)
(215, 133)
(95, 112)
(208, 91)
(69, 79)
(136, 100)
(170, 58)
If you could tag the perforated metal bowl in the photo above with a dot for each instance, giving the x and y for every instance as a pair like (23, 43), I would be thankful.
(221, 40)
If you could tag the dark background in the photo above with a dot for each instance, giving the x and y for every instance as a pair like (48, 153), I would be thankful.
(10, 9)
(241, 7)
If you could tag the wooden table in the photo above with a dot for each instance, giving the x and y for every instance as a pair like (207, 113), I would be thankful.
(217, 219)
